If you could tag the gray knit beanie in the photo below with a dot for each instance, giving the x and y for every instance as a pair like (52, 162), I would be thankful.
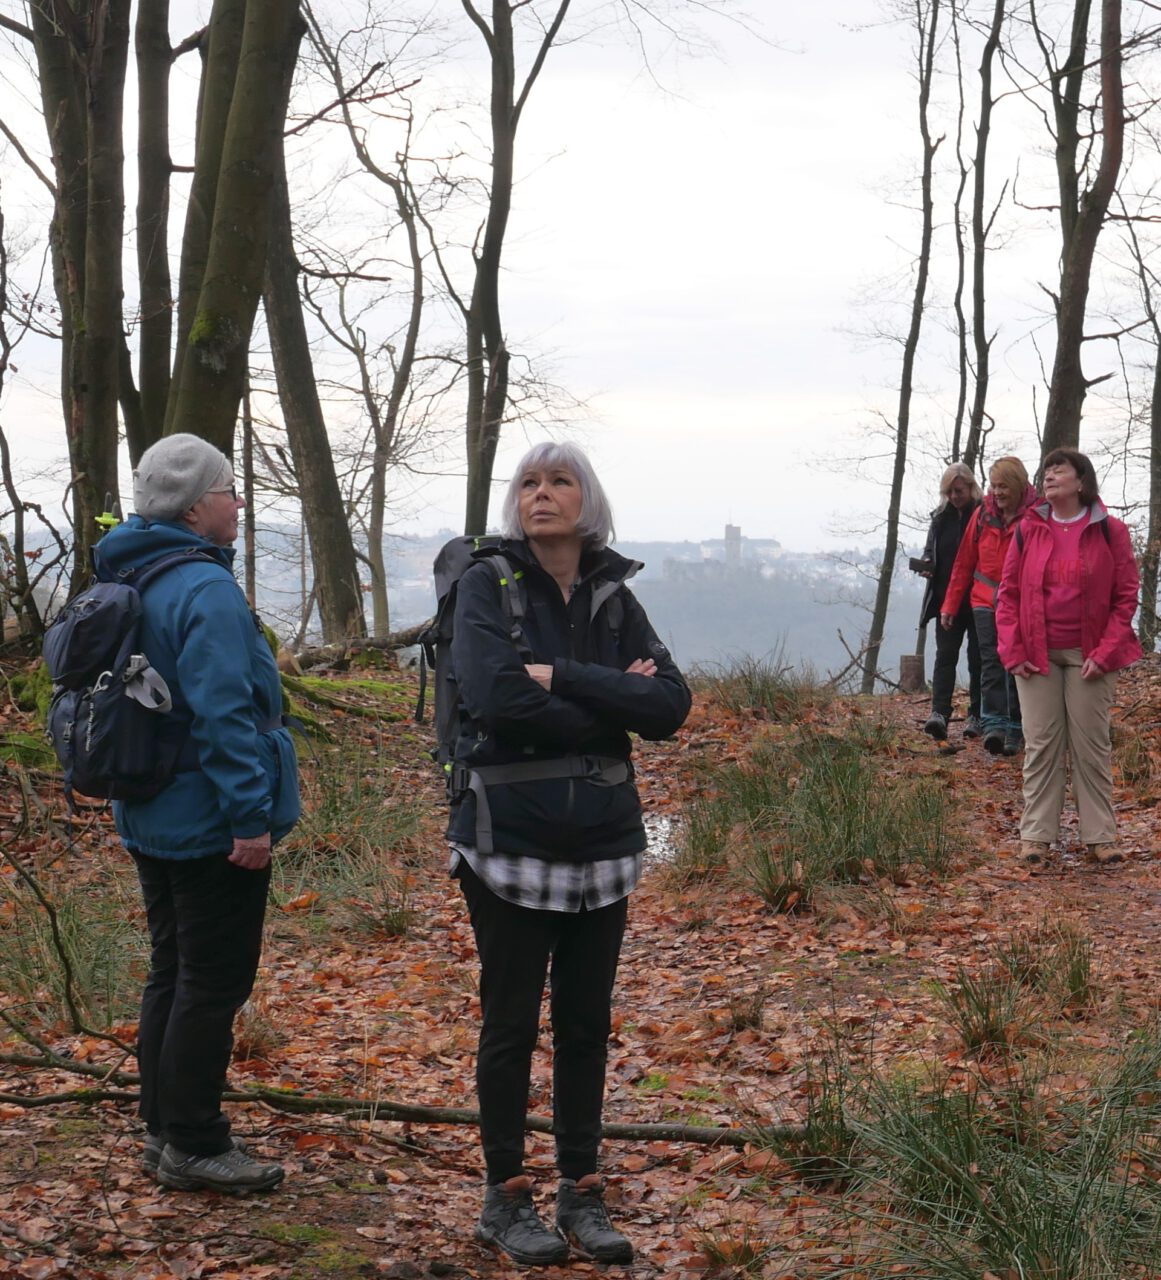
(174, 473)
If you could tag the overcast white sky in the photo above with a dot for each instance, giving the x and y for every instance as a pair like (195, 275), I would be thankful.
(699, 261)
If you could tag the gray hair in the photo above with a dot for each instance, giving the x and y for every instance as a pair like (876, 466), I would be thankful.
(596, 515)
(959, 471)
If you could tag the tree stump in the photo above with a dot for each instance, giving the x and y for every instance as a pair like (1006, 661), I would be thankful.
(911, 679)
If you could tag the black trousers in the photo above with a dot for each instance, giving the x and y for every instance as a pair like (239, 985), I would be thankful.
(947, 646)
(999, 699)
(517, 946)
(205, 923)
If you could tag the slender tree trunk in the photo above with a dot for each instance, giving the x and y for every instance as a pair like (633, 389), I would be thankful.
(1068, 386)
(487, 352)
(1151, 559)
(981, 342)
(336, 573)
(155, 327)
(927, 22)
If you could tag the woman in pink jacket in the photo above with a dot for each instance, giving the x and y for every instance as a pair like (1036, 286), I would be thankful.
(1065, 623)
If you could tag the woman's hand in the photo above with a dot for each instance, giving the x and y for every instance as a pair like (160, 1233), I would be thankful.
(541, 672)
(1024, 670)
(1090, 670)
(945, 620)
(641, 667)
(252, 853)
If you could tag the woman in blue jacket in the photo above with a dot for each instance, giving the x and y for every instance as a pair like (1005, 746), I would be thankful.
(546, 831)
(202, 846)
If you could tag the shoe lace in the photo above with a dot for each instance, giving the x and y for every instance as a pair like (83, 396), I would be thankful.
(589, 1205)
(519, 1210)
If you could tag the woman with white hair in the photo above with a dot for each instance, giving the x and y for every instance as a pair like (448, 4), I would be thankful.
(545, 829)
(959, 496)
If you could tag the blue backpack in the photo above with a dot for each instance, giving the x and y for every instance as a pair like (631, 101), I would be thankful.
(108, 721)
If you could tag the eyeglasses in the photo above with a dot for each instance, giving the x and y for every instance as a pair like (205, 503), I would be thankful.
(232, 491)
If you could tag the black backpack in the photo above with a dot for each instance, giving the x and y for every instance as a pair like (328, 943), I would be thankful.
(452, 560)
(108, 721)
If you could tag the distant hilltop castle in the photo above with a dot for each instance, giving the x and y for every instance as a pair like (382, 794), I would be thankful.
(722, 557)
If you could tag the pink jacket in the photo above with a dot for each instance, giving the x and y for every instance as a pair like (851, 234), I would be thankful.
(980, 559)
(1109, 586)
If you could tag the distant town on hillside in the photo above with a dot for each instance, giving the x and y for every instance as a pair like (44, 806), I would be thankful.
(708, 600)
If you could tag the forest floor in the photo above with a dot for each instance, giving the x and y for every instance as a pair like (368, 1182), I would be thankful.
(724, 1010)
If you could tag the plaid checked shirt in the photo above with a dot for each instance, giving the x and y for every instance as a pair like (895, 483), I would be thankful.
(552, 886)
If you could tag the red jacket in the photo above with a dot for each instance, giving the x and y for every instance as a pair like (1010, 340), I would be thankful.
(979, 563)
(1109, 586)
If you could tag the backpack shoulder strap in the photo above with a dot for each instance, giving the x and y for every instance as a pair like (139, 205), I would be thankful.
(140, 578)
(512, 601)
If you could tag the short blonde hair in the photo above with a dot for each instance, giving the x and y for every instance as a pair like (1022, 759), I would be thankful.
(959, 471)
(1011, 471)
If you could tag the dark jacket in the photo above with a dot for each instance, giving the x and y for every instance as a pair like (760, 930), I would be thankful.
(199, 634)
(943, 539)
(594, 704)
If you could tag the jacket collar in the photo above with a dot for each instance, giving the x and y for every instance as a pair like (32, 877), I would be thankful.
(1096, 513)
(605, 563)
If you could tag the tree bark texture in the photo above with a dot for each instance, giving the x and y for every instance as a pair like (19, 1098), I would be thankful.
(927, 22)
(1067, 389)
(82, 55)
(208, 384)
(154, 167)
(336, 573)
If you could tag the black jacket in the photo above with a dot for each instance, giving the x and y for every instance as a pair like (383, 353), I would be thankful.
(943, 539)
(509, 718)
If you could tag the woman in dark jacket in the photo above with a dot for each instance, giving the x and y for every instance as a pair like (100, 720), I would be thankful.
(960, 495)
(546, 831)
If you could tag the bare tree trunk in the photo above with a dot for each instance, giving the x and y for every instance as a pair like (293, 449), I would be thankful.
(1068, 386)
(981, 342)
(487, 353)
(208, 385)
(336, 574)
(927, 21)
(249, 520)
(155, 327)
(81, 60)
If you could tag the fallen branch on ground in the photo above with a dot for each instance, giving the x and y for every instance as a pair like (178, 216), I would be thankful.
(378, 1109)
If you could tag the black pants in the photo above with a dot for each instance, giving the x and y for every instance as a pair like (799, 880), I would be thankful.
(999, 701)
(205, 922)
(947, 646)
(516, 945)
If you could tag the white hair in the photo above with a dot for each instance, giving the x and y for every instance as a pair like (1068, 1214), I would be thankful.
(958, 471)
(595, 525)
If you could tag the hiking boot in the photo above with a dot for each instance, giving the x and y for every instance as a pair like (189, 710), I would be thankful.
(1013, 744)
(510, 1222)
(972, 727)
(994, 741)
(232, 1171)
(582, 1217)
(155, 1144)
(1104, 855)
(936, 726)
(1036, 852)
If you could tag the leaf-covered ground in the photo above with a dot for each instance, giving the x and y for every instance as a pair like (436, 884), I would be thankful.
(721, 1008)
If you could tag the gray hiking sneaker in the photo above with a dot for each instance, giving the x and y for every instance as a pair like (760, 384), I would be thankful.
(232, 1171)
(936, 726)
(582, 1218)
(510, 1222)
(155, 1144)
(972, 728)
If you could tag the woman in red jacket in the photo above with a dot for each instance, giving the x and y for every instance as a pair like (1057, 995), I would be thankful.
(1065, 621)
(978, 566)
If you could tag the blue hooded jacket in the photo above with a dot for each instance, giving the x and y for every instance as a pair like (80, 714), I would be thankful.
(199, 634)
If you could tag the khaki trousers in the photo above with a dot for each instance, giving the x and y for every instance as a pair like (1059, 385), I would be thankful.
(1066, 717)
